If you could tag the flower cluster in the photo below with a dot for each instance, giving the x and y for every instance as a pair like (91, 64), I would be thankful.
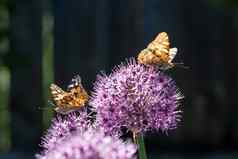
(134, 96)
(138, 97)
(92, 144)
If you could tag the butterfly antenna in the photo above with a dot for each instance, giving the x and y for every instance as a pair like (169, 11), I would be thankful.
(46, 108)
(181, 65)
(43, 108)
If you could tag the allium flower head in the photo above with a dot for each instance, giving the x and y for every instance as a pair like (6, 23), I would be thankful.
(64, 126)
(137, 97)
(91, 144)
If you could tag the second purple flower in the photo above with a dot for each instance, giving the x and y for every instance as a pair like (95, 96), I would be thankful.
(137, 97)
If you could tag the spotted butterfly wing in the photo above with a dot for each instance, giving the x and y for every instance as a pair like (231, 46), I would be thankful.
(76, 81)
(75, 97)
(160, 45)
(147, 57)
(158, 52)
(59, 96)
(78, 93)
(172, 54)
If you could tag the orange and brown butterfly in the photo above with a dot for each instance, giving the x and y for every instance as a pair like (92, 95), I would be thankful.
(73, 99)
(158, 52)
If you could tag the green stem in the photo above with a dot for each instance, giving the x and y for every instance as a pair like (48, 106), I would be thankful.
(141, 146)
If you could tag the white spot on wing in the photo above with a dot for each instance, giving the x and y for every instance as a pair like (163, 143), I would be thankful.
(172, 53)
(74, 82)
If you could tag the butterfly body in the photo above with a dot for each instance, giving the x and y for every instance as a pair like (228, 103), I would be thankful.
(158, 52)
(72, 99)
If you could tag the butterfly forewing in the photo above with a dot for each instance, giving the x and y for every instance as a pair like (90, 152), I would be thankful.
(161, 44)
(58, 95)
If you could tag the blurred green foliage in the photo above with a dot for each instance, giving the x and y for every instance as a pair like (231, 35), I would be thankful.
(47, 66)
(4, 111)
(5, 141)
(7, 60)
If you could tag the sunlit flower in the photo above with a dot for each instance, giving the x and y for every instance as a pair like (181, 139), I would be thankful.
(92, 144)
(137, 97)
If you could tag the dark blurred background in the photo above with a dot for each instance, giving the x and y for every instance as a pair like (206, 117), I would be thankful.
(45, 41)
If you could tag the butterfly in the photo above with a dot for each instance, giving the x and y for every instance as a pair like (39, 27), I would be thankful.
(73, 99)
(158, 52)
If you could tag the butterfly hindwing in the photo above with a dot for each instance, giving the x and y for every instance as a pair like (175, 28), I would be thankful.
(147, 57)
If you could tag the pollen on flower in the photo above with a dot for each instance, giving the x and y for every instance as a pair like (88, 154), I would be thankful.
(137, 97)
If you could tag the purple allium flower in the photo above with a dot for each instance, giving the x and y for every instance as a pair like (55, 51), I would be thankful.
(91, 144)
(136, 97)
(63, 126)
